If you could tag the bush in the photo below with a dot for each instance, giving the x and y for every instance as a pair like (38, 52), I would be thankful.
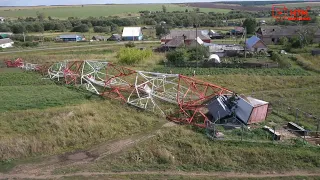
(27, 44)
(177, 56)
(81, 28)
(130, 45)
(198, 53)
(100, 29)
(283, 60)
(132, 55)
(283, 41)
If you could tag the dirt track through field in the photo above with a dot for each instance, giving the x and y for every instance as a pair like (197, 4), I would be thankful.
(49, 164)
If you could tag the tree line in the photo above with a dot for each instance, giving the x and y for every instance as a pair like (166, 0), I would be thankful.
(43, 23)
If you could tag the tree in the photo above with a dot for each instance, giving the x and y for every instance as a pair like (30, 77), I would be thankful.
(250, 24)
(29, 28)
(198, 53)
(186, 10)
(197, 10)
(18, 28)
(161, 30)
(60, 27)
(114, 28)
(41, 16)
(100, 29)
(283, 40)
(164, 8)
(4, 28)
(81, 28)
(177, 56)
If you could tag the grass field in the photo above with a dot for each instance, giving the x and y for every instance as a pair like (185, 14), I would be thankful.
(94, 10)
(40, 117)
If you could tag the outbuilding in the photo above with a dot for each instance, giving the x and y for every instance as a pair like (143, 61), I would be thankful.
(132, 34)
(115, 37)
(6, 43)
(255, 44)
(70, 38)
(2, 19)
(99, 38)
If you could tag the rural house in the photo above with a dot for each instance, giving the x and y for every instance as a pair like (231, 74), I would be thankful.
(70, 38)
(115, 37)
(272, 34)
(188, 35)
(132, 34)
(6, 43)
(2, 19)
(99, 38)
(255, 44)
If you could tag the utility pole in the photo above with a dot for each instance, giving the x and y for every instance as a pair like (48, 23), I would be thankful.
(245, 44)
(197, 44)
(24, 37)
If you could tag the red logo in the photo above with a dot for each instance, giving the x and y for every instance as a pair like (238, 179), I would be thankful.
(281, 12)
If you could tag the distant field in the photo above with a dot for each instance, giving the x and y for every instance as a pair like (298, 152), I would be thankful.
(93, 10)
(302, 5)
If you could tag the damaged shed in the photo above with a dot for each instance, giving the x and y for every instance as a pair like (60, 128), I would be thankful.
(246, 109)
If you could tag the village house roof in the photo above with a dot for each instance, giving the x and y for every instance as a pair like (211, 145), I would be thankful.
(131, 31)
(252, 41)
(189, 34)
(114, 37)
(99, 38)
(175, 42)
(6, 40)
(284, 30)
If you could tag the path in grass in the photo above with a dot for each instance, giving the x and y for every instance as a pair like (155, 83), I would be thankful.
(46, 167)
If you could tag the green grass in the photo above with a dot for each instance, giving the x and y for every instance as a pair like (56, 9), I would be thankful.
(95, 10)
(182, 149)
(40, 117)
(228, 71)
(22, 90)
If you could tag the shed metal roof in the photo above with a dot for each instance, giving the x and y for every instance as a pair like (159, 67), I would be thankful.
(5, 41)
(190, 34)
(69, 36)
(215, 48)
(252, 41)
(131, 31)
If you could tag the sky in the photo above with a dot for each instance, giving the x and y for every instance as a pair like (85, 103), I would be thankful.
(72, 2)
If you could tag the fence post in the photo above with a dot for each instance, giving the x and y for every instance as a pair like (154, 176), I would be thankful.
(274, 134)
(318, 127)
(241, 132)
(304, 137)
